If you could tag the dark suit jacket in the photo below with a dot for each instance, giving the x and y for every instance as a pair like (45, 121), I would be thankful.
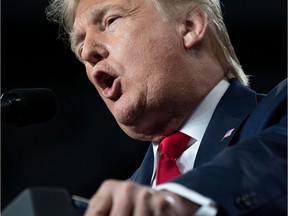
(245, 173)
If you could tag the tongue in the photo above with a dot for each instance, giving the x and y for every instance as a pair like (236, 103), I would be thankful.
(107, 92)
(113, 92)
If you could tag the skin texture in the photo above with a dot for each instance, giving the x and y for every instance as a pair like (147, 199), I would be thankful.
(151, 74)
(158, 82)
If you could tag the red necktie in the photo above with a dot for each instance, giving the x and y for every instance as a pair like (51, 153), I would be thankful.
(171, 148)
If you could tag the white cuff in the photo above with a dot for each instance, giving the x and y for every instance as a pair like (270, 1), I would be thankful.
(207, 206)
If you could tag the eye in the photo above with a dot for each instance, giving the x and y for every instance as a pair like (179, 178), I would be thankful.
(110, 20)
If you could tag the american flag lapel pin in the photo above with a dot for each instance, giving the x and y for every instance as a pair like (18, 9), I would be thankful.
(228, 133)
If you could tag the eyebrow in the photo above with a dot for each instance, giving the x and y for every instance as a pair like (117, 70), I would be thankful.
(95, 14)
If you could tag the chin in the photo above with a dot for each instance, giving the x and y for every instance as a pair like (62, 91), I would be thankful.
(139, 133)
(126, 114)
(134, 134)
(124, 120)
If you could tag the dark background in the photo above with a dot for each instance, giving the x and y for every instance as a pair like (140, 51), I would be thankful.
(83, 145)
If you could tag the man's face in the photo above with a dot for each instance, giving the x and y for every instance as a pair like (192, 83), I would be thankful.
(137, 62)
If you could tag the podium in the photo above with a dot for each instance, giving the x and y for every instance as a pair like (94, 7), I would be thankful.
(45, 201)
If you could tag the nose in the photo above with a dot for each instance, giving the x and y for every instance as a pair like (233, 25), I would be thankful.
(93, 49)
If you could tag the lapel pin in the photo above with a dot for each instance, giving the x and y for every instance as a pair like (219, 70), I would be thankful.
(228, 133)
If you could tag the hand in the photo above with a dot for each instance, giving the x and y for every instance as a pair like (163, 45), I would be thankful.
(118, 198)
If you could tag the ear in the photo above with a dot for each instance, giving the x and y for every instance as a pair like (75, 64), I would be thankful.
(196, 23)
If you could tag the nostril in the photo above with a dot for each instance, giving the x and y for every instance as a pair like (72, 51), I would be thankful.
(93, 55)
(97, 57)
(94, 59)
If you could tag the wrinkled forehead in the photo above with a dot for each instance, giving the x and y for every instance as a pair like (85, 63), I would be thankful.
(89, 11)
(82, 5)
(95, 7)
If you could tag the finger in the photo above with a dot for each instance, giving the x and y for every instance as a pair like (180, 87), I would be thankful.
(100, 204)
(123, 199)
(161, 205)
(142, 202)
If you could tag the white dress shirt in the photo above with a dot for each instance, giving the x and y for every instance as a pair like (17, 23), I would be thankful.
(195, 126)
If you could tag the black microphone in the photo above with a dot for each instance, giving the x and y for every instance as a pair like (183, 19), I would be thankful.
(27, 106)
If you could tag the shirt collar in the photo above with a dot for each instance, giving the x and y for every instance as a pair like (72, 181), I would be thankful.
(197, 122)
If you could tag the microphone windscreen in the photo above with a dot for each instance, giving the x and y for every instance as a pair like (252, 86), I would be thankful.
(29, 106)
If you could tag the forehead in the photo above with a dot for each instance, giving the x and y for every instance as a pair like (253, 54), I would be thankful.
(89, 11)
(92, 6)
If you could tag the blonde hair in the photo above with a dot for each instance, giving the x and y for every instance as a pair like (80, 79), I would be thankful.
(63, 12)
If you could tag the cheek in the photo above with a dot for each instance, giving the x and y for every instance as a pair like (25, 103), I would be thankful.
(150, 66)
(142, 58)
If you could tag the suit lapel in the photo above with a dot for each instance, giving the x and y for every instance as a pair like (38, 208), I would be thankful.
(226, 119)
(144, 173)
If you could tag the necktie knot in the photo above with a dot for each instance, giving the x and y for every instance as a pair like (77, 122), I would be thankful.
(174, 145)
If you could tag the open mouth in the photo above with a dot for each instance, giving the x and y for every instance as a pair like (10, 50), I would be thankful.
(109, 84)
(105, 80)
